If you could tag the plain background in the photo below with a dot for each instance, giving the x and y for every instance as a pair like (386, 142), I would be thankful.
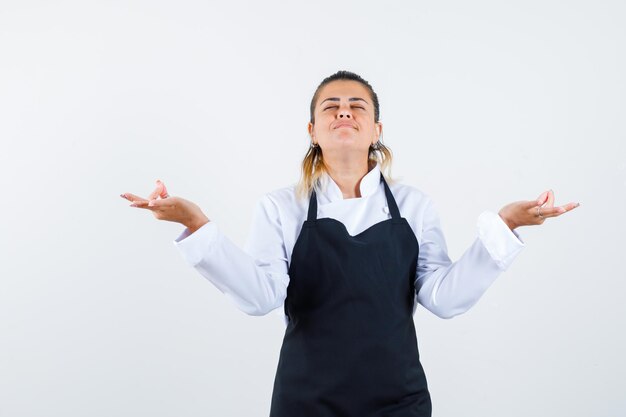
(483, 103)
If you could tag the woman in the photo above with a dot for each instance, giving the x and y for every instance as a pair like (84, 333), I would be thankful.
(349, 254)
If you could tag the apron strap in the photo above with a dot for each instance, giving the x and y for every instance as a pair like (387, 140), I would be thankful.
(312, 207)
(391, 202)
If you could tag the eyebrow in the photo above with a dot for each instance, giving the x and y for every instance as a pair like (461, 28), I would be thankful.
(350, 99)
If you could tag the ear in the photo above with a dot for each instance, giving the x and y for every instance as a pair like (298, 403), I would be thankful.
(379, 130)
(310, 130)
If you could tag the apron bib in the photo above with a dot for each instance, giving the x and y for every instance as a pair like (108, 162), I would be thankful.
(350, 347)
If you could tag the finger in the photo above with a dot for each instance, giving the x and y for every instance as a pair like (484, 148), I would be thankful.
(164, 193)
(531, 204)
(133, 197)
(140, 203)
(146, 207)
(159, 203)
(555, 211)
(157, 191)
(542, 197)
(569, 206)
(550, 201)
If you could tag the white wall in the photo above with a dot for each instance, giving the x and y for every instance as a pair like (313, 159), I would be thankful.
(483, 103)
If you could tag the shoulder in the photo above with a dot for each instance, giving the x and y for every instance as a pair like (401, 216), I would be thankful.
(417, 207)
(409, 198)
(283, 200)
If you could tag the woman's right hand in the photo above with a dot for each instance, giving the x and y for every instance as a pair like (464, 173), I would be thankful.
(173, 209)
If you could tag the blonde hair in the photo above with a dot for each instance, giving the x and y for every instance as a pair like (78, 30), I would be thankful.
(313, 166)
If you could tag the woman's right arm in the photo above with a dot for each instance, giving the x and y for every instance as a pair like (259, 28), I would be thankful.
(255, 277)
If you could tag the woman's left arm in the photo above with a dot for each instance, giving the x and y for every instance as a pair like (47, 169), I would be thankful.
(449, 288)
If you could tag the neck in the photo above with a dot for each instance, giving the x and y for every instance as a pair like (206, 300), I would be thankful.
(348, 175)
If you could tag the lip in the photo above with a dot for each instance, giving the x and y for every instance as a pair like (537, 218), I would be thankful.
(344, 124)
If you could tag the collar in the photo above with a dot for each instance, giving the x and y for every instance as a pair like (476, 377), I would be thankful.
(330, 191)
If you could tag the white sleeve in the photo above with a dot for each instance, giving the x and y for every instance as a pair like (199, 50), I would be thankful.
(449, 288)
(254, 278)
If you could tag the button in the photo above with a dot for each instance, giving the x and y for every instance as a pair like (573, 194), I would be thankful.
(386, 209)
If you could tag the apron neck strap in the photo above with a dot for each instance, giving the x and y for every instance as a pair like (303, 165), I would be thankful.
(312, 207)
(391, 202)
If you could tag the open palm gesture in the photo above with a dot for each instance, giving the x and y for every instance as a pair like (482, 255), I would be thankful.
(526, 213)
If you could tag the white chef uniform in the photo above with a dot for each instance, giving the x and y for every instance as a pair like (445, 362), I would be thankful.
(255, 278)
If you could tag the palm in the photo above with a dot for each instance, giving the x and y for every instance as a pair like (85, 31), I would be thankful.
(533, 212)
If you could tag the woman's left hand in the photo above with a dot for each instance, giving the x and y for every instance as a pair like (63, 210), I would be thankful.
(527, 213)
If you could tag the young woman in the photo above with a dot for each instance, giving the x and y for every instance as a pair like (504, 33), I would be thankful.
(349, 254)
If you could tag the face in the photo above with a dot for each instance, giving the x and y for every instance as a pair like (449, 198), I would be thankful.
(344, 119)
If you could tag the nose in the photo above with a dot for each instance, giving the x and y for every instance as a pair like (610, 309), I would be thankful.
(345, 113)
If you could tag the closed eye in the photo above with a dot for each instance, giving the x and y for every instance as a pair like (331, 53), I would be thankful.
(332, 107)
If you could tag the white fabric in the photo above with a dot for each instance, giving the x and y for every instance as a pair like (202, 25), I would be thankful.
(255, 278)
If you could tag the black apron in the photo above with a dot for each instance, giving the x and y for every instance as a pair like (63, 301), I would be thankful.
(350, 348)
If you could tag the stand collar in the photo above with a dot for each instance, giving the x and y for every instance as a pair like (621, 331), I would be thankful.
(331, 192)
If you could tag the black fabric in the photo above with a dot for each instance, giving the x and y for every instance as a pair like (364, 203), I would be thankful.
(350, 348)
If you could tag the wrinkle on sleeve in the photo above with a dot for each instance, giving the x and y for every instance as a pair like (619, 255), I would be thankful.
(254, 277)
(448, 288)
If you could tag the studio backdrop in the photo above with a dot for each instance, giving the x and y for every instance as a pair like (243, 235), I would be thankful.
(482, 103)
